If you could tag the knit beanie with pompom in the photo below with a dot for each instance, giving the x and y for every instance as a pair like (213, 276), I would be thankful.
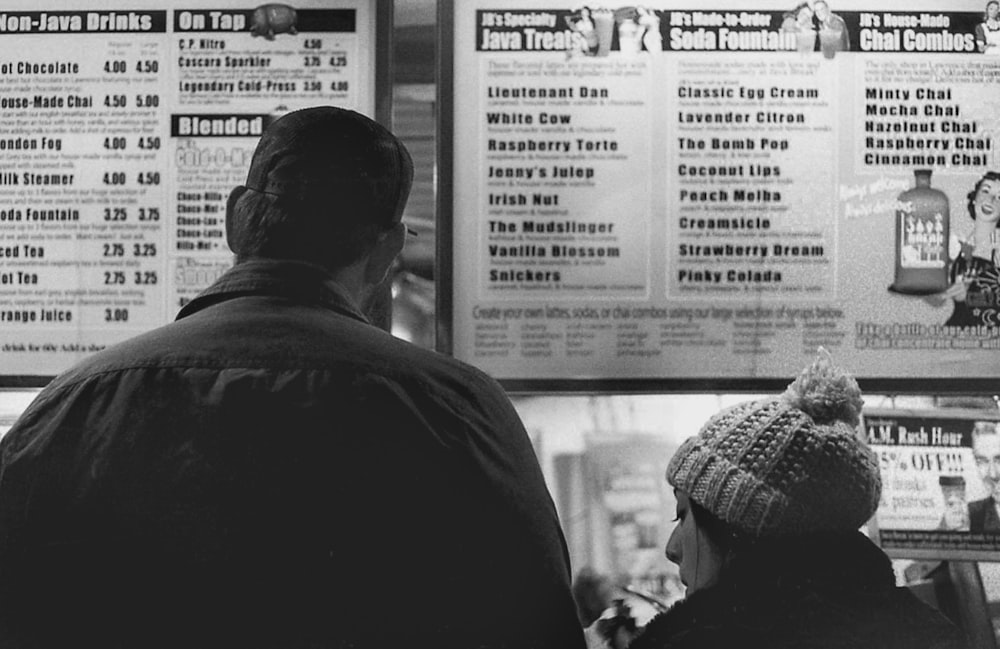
(785, 466)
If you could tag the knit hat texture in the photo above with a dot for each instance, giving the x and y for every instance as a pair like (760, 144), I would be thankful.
(785, 466)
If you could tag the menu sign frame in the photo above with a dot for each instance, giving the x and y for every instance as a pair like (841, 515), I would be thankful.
(662, 198)
(122, 131)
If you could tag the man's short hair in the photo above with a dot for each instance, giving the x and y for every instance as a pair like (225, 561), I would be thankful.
(324, 182)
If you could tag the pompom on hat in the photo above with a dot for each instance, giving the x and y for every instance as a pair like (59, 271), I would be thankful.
(785, 466)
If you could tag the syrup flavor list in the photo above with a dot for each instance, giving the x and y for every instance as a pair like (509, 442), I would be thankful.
(553, 165)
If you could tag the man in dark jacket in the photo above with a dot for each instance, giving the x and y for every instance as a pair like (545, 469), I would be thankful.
(833, 591)
(271, 470)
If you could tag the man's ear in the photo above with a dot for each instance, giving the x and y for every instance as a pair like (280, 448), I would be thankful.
(234, 196)
(384, 253)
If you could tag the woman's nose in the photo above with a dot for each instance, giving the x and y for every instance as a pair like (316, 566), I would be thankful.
(672, 551)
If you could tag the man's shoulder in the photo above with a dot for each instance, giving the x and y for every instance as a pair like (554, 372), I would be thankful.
(335, 346)
(381, 368)
(423, 356)
(411, 362)
(141, 350)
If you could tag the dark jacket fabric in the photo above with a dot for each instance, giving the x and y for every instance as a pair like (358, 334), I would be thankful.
(270, 470)
(983, 516)
(835, 592)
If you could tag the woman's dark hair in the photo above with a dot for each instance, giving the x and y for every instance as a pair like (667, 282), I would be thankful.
(986, 9)
(989, 175)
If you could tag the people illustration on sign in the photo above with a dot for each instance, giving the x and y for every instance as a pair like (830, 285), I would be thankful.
(632, 29)
(833, 34)
(975, 280)
(988, 31)
(799, 21)
(581, 22)
(983, 514)
(809, 20)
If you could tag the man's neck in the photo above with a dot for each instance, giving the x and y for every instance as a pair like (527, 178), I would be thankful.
(351, 282)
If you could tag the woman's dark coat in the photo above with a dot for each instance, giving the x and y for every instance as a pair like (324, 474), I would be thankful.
(827, 593)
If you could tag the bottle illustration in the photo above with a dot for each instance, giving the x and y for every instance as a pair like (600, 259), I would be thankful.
(922, 219)
(956, 512)
(604, 23)
(628, 37)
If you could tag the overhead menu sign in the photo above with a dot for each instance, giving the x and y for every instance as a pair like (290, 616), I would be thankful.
(122, 131)
(669, 192)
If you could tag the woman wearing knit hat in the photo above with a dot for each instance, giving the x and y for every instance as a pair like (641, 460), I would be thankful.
(770, 496)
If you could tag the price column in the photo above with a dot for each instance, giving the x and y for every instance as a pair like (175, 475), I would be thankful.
(82, 186)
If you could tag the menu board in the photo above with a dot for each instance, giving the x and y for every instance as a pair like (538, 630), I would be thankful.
(671, 192)
(940, 483)
(122, 131)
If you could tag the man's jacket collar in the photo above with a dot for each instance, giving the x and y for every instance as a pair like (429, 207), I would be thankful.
(295, 280)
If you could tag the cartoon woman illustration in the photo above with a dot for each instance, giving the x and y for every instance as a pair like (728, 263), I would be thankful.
(988, 31)
(975, 279)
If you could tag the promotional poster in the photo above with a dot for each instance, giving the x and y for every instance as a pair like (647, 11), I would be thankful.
(940, 483)
(658, 191)
(123, 130)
